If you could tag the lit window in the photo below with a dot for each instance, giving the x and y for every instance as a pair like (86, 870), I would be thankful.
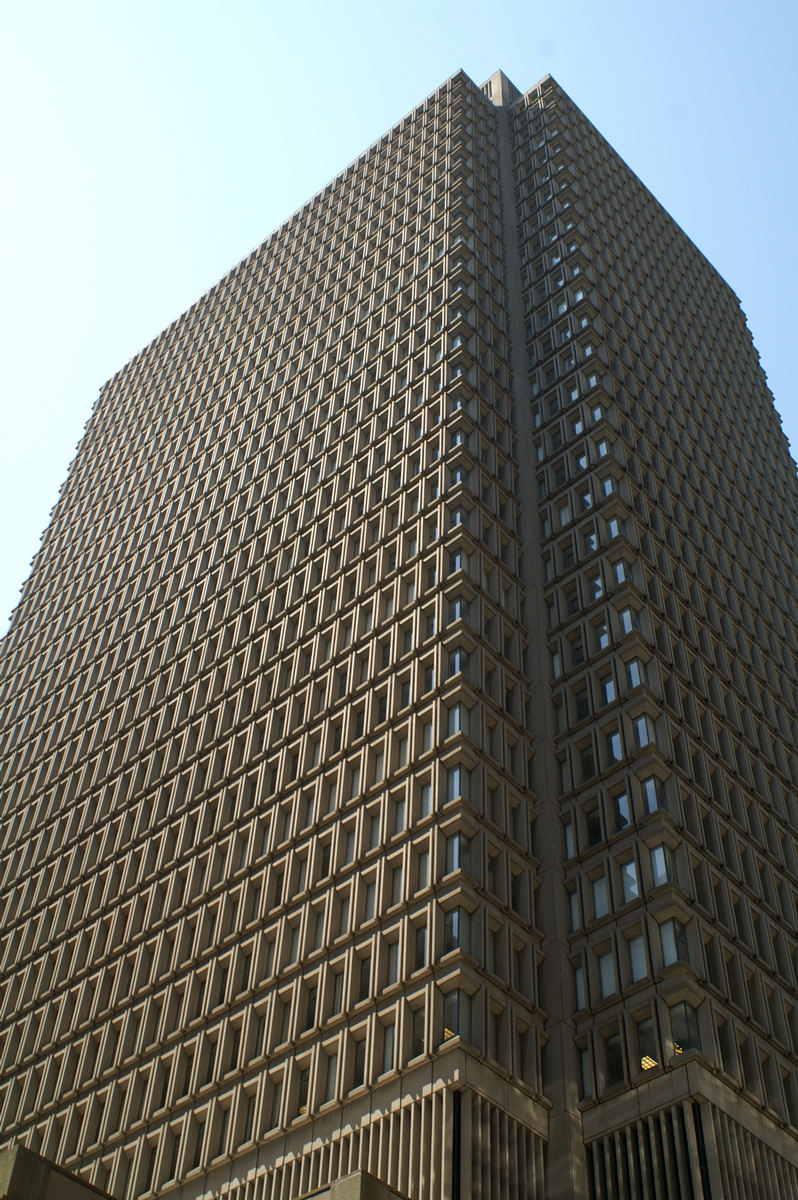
(457, 1015)
(684, 1027)
(646, 1044)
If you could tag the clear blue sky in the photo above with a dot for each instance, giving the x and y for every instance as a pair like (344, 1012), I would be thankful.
(149, 145)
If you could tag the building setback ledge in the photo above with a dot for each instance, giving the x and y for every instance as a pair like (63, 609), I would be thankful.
(358, 1186)
(26, 1176)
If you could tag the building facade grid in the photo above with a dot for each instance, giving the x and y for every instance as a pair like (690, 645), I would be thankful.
(401, 712)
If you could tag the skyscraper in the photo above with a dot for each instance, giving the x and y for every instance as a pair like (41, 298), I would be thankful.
(399, 766)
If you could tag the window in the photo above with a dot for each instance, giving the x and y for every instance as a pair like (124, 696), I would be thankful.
(628, 619)
(602, 635)
(457, 1015)
(417, 1033)
(635, 672)
(607, 685)
(623, 812)
(573, 910)
(585, 1074)
(458, 662)
(593, 826)
(570, 840)
(457, 783)
(620, 571)
(458, 609)
(457, 930)
(631, 889)
(606, 964)
(601, 897)
(653, 793)
(421, 948)
(582, 704)
(684, 1027)
(646, 1044)
(613, 1057)
(587, 761)
(644, 731)
(332, 1070)
(388, 1047)
(614, 527)
(458, 719)
(661, 864)
(458, 853)
(637, 958)
(614, 746)
(580, 998)
(674, 942)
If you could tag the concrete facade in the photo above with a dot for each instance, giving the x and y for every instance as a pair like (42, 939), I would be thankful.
(400, 765)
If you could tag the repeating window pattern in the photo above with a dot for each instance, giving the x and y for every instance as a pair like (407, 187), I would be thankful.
(455, 441)
(269, 669)
(672, 629)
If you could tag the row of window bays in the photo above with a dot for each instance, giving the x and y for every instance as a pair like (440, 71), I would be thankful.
(568, 603)
(232, 618)
(310, 525)
(715, 708)
(652, 653)
(201, 1110)
(455, 630)
(177, 484)
(643, 1035)
(333, 820)
(378, 307)
(185, 976)
(661, 832)
(660, 445)
(739, 419)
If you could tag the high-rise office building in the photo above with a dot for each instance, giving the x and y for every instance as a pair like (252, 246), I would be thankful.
(399, 767)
